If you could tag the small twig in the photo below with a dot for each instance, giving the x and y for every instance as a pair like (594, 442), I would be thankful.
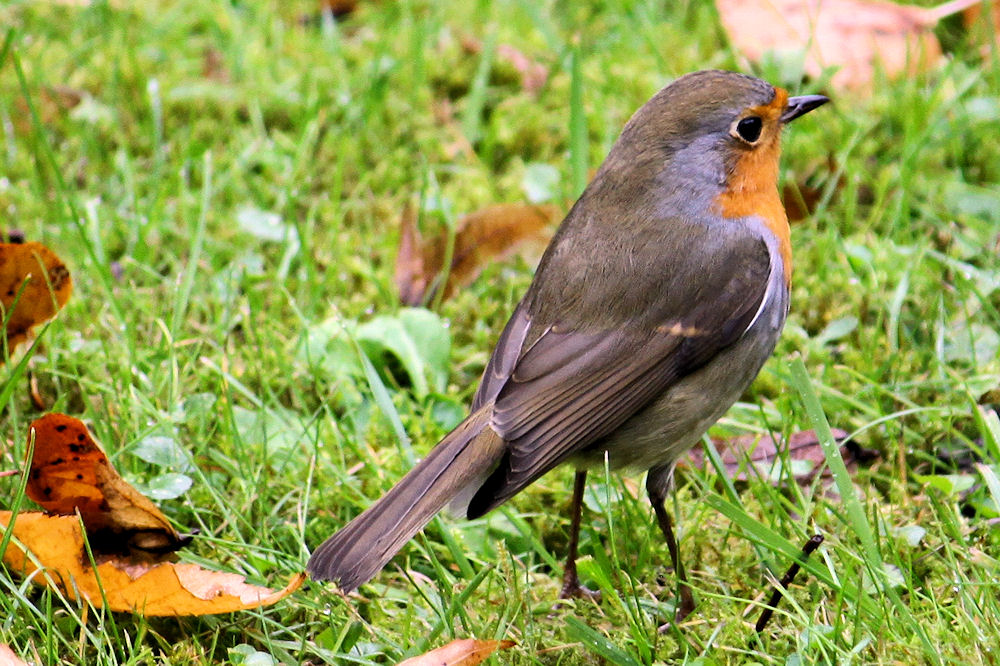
(36, 397)
(786, 580)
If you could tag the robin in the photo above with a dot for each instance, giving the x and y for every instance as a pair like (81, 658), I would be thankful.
(660, 297)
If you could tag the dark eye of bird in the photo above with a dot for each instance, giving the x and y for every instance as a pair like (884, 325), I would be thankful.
(749, 128)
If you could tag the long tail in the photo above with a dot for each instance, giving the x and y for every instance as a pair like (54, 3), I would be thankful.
(362, 548)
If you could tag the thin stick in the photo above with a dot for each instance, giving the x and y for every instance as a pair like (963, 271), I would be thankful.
(786, 580)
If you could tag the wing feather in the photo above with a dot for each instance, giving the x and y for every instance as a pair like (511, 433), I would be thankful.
(558, 389)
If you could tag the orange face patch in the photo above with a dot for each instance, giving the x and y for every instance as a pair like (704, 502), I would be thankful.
(752, 186)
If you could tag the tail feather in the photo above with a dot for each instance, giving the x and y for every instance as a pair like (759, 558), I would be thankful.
(353, 556)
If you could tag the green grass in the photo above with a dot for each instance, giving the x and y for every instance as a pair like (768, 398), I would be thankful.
(191, 321)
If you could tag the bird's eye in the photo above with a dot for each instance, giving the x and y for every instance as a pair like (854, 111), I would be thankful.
(749, 128)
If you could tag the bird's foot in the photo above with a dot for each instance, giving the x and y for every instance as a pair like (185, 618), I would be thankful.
(683, 608)
(574, 590)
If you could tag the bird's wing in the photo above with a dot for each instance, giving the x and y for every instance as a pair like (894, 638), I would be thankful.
(504, 358)
(568, 388)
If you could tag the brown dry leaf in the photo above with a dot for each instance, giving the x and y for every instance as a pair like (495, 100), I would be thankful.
(339, 8)
(57, 558)
(460, 652)
(52, 104)
(494, 233)
(70, 473)
(800, 200)
(213, 65)
(761, 453)
(855, 35)
(43, 282)
(8, 658)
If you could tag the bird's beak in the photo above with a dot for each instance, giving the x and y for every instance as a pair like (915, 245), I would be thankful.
(799, 106)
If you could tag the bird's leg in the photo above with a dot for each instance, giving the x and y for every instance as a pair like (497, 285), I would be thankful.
(657, 484)
(571, 582)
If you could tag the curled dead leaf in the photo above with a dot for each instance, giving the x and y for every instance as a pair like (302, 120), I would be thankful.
(756, 455)
(69, 472)
(460, 652)
(34, 286)
(8, 658)
(857, 36)
(50, 550)
(494, 233)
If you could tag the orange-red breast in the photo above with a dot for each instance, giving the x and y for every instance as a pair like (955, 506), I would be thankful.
(655, 305)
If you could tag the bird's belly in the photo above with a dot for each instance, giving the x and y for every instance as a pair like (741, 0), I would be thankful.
(671, 424)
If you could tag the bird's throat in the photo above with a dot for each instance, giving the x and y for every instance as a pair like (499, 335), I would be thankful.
(752, 191)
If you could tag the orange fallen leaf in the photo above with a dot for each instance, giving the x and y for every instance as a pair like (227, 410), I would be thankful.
(983, 27)
(760, 453)
(50, 550)
(461, 652)
(69, 473)
(43, 282)
(494, 233)
(8, 658)
(855, 35)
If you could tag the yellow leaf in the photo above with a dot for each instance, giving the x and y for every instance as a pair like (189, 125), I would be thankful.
(167, 588)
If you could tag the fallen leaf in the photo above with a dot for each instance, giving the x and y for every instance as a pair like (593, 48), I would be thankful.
(800, 195)
(800, 200)
(533, 74)
(461, 652)
(494, 233)
(339, 8)
(8, 658)
(213, 65)
(983, 28)
(69, 473)
(34, 272)
(58, 559)
(52, 104)
(760, 453)
(856, 36)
